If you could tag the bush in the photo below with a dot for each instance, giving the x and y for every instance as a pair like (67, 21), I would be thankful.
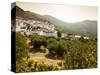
(51, 40)
(35, 67)
(21, 46)
(57, 48)
(59, 34)
(38, 41)
(80, 55)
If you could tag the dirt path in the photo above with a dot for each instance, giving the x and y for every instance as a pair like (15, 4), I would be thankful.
(40, 57)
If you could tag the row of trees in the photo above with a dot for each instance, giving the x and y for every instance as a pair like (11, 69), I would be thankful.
(56, 47)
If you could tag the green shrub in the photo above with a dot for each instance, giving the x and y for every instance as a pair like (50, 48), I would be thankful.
(35, 67)
(51, 40)
(37, 41)
(80, 55)
(57, 48)
(21, 46)
(59, 34)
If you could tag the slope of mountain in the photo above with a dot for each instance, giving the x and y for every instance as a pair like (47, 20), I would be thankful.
(17, 12)
(87, 27)
(58, 23)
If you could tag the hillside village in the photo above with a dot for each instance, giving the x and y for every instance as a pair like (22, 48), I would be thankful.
(35, 27)
(30, 27)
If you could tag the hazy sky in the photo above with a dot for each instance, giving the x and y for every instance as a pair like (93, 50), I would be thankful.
(67, 13)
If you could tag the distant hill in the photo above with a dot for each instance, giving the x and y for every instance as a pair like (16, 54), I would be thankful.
(87, 27)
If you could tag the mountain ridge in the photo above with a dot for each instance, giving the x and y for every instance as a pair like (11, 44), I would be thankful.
(86, 27)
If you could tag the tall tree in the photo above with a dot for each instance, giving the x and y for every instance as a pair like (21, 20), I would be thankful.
(59, 34)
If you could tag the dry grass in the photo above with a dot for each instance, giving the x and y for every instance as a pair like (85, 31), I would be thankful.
(40, 57)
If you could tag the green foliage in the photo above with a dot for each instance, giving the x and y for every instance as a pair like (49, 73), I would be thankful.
(57, 48)
(81, 55)
(77, 54)
(38, 41)
(51, 40)
(59, 34)
(53, 48)
(35, 67)
(21, 46)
